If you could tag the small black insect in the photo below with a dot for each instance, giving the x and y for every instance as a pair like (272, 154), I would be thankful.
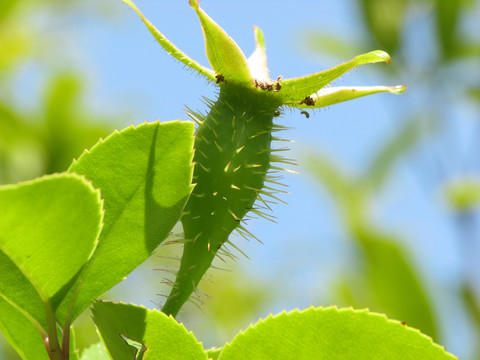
(307, 115)
(220, 78)
(309, 101)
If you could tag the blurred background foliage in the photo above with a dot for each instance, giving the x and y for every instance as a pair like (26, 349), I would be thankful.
(45, 121)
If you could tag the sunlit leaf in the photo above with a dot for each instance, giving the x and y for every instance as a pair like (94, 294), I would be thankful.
(145, 175)
(95, 352)
(329, 333)
(49, 229)
(21, 334)
(158, 336)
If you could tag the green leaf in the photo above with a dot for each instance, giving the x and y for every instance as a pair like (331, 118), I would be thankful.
(21, 333)
(48, 231)
(329, 333)
(145, 175)
(95, 352)
(170, 47)
(226, 58)
(129, 330)
(17, 289)
(296, 89)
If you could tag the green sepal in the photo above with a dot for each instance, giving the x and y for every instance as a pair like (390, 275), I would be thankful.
(297, 89)
(170, 47)
(226, 58)
(332, 95)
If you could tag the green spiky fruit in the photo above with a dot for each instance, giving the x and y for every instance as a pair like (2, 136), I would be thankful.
(232, 157)
(232, 146)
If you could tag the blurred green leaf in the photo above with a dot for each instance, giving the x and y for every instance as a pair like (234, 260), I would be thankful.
(19, 147)
(385, 19)
(330, 44)
(16, 42)
(463, 194)
(405, 138)
(233, 303)
(473, 92)
(472, 302)
(158, 335)
(6, 6)
(67, 133)
(329, 333)
(394, 282)
(447, 19)
(388, 275)
(350, 195)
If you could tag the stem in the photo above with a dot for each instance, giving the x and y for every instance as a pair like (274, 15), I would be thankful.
(66, 338)
(51, 341)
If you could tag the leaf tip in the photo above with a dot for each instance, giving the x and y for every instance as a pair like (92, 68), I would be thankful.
(194, 4)
(382, 56)
(398, 89)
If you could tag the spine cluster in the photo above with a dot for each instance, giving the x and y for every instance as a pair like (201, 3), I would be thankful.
(232, 157)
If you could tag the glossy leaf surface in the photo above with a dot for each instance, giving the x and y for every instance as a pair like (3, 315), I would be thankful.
(49, 229)
(330, 333)
(129, 331)
(145, 175)
(21, 333)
